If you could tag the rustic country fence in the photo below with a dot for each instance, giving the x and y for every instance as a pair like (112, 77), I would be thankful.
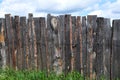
(62, 44)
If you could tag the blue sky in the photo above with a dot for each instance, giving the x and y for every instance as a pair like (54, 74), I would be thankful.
(102, 8)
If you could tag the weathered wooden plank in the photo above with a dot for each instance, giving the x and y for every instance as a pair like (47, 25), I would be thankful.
(32, 43)
(38, 38)
(18, 42)
(10, 40)
(57, 60)
(23, 41)
(13, 56)
(42, 43)
(68, 43)
(62, 40)
(91, 25)
(106, 48)
(77, 45)
(84, 45)
(80, 43)
(26, 42)
(74, 43)
(49, 44)
(99, 51)
(115, 50)
(93, 55)
(2, 44)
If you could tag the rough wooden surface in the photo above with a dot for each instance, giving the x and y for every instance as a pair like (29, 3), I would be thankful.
(99, 51)
(32, 43)
(42, 41)
(9, 39)
(91, 25)
(2, 44)
(50, 43)
(18, 47)
(107, 48)
(116, 50)
(84, 44)
(74, 43)
(23, 41)
(38, 37)
(62, 39)
(68, 38)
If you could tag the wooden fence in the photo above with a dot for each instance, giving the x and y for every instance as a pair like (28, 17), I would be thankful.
(62, 43)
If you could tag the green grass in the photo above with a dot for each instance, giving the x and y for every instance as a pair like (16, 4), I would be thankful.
(10, 74)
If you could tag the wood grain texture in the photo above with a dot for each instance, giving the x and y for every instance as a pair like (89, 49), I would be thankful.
(68, 44)
(2, 44)
(84, 44)
(99, 53)
(43, 41)
(24, 43)
(10, 40)
(91, 25)
(116, 50)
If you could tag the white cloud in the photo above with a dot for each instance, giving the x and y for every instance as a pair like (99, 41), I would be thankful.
(42, 7)
(108, 9)
(56, 7)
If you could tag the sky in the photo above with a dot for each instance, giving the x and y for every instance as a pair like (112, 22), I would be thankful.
(40, 8)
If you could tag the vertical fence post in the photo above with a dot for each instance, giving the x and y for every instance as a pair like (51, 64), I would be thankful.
(80, 43)
(18, 42)
(50, 43)
(42, 43)
(115, 50)
(84, 45)
(23, 41)
(91, 25)
(68, 43)
(2, 44)
(106, 48)
(99, 51)
(38, 43)
(32, 43)
(74, 44)
(62, 39)
(10, 41)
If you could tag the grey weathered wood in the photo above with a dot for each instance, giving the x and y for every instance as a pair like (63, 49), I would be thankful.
(26, 42)
(13, 56)
(23, 41)
(18, 42)
(38, 38)
(43, 43)
(2, 43)
(9, 38)
(74, 43)
(62, 40)
(91, 25)
(77, 45)
(49, 44)
(99, 46)
(84, 44)
(57, 57)
(80, 43)
(93, 55)
(68, 43)
(115, 50)
(32, 43)
(106, 48)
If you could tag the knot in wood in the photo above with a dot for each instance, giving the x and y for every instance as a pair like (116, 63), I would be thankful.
(54, 23)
